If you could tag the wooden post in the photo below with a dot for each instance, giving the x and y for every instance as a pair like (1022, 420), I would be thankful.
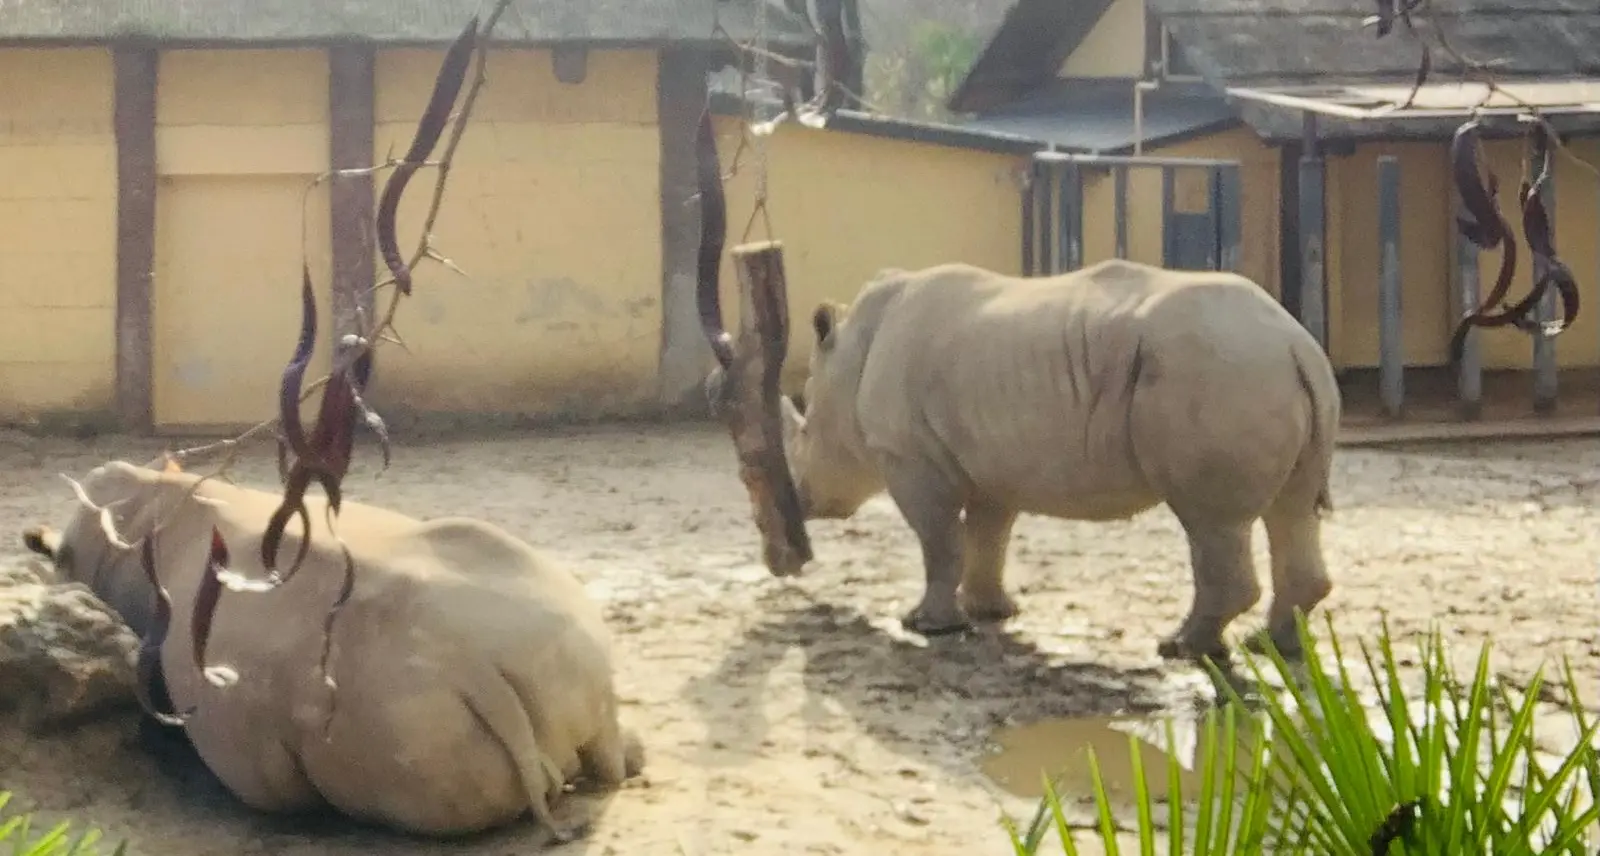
(747, 400)
(1391, 351)
(1466, 297)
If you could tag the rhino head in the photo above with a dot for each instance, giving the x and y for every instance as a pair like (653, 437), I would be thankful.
(93, 547)
(832, 470)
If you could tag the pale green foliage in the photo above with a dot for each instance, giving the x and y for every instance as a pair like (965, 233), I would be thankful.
(914, 81)
(1307, 772)
(17, 839)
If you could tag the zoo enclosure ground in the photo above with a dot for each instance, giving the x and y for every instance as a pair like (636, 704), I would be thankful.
(795, 716)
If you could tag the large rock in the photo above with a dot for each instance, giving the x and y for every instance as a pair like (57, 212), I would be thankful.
(64, 654)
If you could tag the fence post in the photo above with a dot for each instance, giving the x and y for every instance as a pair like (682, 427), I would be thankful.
(1544, 347)
(1313, 235)
(1469, 376)
(1391, 351)
(1228, 205)
(1070, 196)
(1119, 179)
(1030, 204)
(1044, 196)
(1169, 250)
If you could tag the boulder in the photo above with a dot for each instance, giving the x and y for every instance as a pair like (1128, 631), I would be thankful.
(64, 655)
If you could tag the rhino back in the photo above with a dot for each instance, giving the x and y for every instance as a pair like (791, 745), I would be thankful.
(1024, 385)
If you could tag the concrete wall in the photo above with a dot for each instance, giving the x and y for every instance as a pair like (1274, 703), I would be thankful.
(1576, 211)
(240, 135)
(846, 205)
(57, 232)
(1427, 237)
(552, 211)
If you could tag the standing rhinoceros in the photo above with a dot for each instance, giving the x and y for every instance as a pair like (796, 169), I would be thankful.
(1093, 395)
(473, 677)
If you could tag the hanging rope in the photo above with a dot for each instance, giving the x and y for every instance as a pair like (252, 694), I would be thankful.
(760, 126)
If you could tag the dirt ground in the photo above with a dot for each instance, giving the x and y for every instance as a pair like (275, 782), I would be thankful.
(795, 717)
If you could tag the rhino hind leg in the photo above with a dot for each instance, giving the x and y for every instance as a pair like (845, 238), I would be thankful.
(931, 506)
(1225, 587)
(983, 594)
(613, 756)
(1299, 576)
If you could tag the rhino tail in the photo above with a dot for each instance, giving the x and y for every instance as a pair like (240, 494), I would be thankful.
(1323, 394)
(500, 709)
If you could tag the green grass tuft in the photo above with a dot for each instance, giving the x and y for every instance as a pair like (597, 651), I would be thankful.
(16, 838)
(1308, 771)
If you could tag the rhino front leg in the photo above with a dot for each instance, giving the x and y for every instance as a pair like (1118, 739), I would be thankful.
(988, 535)
(932, 508)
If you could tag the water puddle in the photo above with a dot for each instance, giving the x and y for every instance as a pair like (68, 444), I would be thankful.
(1060, 748)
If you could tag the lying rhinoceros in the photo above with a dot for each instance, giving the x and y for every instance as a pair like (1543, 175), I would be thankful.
(1094, 395)
(473, 677)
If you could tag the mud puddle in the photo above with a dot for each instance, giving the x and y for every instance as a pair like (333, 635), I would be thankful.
(1060, 749)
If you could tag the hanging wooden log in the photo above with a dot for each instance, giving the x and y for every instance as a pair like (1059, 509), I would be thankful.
(743, 387)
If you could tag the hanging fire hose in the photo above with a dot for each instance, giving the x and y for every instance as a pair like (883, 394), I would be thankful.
(744, 386)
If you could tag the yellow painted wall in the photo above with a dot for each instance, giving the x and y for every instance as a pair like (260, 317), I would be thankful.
(553, 212)
(1426, 242)
(1426, 228)
(1259, 215)
(58, 220)
(847, 205)
(240, 135)
(1576, 214)
(1114, 48)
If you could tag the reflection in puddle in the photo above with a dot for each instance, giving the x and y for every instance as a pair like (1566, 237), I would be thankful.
(1059, 748)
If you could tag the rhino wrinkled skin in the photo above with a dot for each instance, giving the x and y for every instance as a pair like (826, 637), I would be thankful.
(971, 397)
(474, 678)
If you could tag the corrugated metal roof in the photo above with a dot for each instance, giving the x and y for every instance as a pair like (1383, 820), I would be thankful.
(1255, 46)
(399, 21)
(1097, 115)
(1449, 100)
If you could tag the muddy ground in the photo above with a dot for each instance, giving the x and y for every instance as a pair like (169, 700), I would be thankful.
(795, 717)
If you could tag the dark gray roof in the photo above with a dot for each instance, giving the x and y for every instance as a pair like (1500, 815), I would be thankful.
(390, 21)
(1097, 115)
(1279, 43)
(1030, 44)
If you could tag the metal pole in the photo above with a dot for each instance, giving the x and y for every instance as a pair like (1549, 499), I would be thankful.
(1469, 376)
(1044, 194)
(1168, 236)
(1391, 352)
(1030, 204)
(1544, 348)
(1120, 180)
(1313, 234)
(1230, 217)
(1070, 197)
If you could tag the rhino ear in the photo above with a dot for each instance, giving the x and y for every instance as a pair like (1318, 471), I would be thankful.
(42, 540)
(823, 320)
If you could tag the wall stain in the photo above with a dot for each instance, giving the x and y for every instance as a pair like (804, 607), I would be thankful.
(561, 297)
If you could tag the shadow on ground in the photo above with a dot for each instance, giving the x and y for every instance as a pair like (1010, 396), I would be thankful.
(917, 697)
(174, 782)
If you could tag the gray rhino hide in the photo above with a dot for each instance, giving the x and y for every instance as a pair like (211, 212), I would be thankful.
(473, 677)
(972, 397)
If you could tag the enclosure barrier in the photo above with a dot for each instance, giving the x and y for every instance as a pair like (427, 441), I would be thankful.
(1464, 298)
(1052, 212)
